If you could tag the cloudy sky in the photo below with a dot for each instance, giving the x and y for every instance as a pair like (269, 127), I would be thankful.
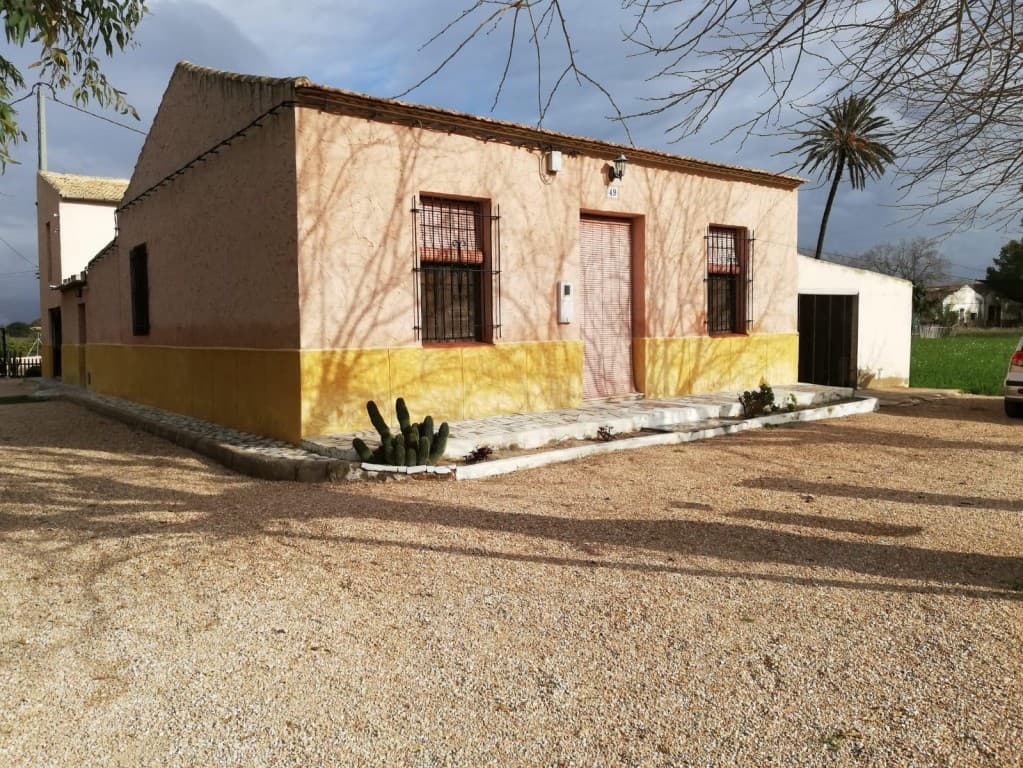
(375, 48)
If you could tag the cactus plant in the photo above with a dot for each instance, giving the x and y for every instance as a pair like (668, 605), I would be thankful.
(377, 419)
(402, 411)
(415, 442)
(440, 442)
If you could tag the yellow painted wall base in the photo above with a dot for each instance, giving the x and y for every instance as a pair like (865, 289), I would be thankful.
(889, 382)
(291, 394)
(253, 390)
(449, 383)
(46, 353)
(667, 367)
(72, 364)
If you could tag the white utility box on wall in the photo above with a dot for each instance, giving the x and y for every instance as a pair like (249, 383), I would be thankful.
(566, 301)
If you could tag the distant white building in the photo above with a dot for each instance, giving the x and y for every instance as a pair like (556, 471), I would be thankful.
(976, 304)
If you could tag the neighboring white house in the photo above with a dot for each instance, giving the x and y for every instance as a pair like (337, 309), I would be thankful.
(881, 318)
(82, 223)
(976, 304)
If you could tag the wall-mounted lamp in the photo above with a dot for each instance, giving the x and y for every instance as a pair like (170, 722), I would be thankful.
(617, 171)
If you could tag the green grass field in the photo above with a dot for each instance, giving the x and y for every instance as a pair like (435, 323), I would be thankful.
(974, 364)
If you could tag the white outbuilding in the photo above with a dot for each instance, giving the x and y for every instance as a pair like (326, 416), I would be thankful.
(854, 325)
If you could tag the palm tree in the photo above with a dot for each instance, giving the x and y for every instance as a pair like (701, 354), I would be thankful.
(847, 137)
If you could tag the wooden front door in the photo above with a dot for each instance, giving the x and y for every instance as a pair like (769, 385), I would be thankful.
(606, 254)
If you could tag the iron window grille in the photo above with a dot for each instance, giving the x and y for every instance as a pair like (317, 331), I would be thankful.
(729, 280)
(138, 262)
(456, 270)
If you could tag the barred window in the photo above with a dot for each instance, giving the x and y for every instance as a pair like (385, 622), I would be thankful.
(729, 251)
(455, 271)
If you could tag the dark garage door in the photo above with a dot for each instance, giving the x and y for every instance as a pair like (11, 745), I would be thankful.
(827, 339)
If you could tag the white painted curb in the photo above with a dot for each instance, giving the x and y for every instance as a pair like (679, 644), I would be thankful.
(504, 466)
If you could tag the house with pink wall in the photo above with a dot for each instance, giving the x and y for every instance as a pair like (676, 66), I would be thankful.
(76, 218)
(287, 251)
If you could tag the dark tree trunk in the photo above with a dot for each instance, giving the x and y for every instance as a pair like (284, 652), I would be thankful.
(827, 207)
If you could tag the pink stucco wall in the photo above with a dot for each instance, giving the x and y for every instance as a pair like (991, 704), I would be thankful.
(200, 108)
(357, 179)
(221, 237)
(104, 295)
(47, 209)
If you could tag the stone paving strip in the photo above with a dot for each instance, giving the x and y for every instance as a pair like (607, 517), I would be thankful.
(675, 435)
(331, 458)
(244, 452)
(526, 431)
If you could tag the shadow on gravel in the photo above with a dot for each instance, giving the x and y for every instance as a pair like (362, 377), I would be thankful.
(829, 433)
(121, 510)
(55, 507)
(867, 492)
(841, 524)
(986, 410)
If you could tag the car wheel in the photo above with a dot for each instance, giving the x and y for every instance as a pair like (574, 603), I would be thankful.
(1013, 410)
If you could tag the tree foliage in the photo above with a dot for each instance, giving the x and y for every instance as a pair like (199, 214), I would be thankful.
(948, 72)
(70, 36)
(1008, 264)
(1005, 275)
(847, 140)
(917, 260)
(19, 329)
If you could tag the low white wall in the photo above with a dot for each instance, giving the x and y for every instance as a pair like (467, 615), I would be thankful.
(885, 315)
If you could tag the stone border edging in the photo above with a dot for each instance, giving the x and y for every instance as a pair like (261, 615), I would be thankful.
(307, 468)
(268, 463)
(531, 461)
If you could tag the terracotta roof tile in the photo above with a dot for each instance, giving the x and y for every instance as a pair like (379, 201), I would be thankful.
(94, 188)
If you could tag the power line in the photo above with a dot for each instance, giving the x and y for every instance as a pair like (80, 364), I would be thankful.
(19, 253)
(99, 117)
(31, 91)
(53, 95)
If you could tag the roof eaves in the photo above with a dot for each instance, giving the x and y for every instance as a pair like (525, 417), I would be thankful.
(240, 78)
(104, 251)
(389, 110)
(89, 189)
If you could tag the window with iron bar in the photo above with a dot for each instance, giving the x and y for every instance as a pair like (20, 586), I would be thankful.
(457, 270)
(729, 280)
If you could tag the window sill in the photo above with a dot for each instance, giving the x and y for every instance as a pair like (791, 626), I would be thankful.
(728, 334)
(455, 344)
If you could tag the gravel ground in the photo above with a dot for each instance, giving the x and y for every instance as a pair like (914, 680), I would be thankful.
(836, 593)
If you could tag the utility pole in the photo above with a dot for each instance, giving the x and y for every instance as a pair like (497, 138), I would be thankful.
(41, 122)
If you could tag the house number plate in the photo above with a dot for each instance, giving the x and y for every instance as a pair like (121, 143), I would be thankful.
(612, 193)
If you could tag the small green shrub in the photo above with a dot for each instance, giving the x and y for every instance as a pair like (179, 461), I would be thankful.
(755, 402)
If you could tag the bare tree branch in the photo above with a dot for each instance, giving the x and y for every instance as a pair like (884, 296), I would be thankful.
(948, 73)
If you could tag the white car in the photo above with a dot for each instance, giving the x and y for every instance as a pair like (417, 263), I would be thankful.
(1014, 383)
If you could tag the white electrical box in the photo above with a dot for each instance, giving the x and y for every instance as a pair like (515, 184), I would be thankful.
(566, 301)
(553, 161)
